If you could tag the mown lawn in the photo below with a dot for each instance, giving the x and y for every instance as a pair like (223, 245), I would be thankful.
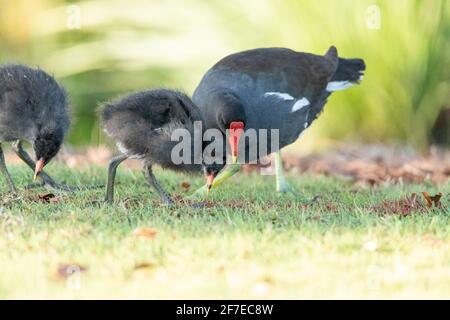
(248, 243)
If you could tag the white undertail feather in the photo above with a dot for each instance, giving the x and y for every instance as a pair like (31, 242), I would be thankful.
(282, 95)
(339, 85)
(301, 103)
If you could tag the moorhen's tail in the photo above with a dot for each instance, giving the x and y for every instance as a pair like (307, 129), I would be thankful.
(349, 73)
(350, 70)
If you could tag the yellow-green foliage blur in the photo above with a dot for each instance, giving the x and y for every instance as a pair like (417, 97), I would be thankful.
(104, 48)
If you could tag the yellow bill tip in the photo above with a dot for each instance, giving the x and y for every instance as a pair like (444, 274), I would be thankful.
(39, 166)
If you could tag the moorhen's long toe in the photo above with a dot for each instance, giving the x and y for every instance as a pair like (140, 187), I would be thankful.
(45, 180)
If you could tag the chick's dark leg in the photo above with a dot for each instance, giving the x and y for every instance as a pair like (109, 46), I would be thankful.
(12, 187)
(46, 179)
(113, 164)
(152, 181)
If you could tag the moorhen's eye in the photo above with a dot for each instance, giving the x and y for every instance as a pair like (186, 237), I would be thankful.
(165, 112)
(184, 107)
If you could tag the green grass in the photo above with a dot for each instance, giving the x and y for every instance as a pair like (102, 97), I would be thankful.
(250, 244)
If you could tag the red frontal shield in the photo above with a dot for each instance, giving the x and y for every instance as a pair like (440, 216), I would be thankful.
(236, 131)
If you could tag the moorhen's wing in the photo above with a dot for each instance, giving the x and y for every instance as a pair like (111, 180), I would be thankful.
(284, 71)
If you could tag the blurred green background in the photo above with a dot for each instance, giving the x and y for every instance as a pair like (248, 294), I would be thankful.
(104, 48)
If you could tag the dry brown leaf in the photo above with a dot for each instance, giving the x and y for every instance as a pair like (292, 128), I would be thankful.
(409, 204)
(185, 185)
(437, 198)
(144, 232)
(427, 197)
(331, 206)
(131, 203)
(144, 265)
(48, 198)
(432, 199)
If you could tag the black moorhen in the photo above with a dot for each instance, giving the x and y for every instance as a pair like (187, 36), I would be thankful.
(33, 108)
(271, 88)
(142, 124)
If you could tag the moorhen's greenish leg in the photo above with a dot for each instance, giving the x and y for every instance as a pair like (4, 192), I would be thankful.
(113, 164)
(224, 175)
(47, 180)
(12, 187)
(281, 182)
(283, 187)
(148, 173)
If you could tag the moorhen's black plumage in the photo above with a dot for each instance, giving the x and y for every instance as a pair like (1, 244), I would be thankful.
(142, 124)
(33, 108)
(272, 88)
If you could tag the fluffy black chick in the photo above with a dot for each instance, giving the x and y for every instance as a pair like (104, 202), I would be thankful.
(142, 124)
(33, 108)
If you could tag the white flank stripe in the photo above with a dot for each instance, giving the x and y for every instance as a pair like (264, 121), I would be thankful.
(284, 96)
(339, 85)
(300, 104)
(137, 156)
(122, 148)
(126, 152)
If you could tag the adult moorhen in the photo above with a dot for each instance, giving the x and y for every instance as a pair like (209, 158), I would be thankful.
(270, 88)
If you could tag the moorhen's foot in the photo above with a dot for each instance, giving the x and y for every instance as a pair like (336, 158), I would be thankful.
(34, 185)
(293, 194)
(46, 180)
(108, 201)
(95, 203)
(199, 205)
(61, 187)
(169, 203)
(286, 189)
(224, 175)
(200, 192)
(49, 183)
